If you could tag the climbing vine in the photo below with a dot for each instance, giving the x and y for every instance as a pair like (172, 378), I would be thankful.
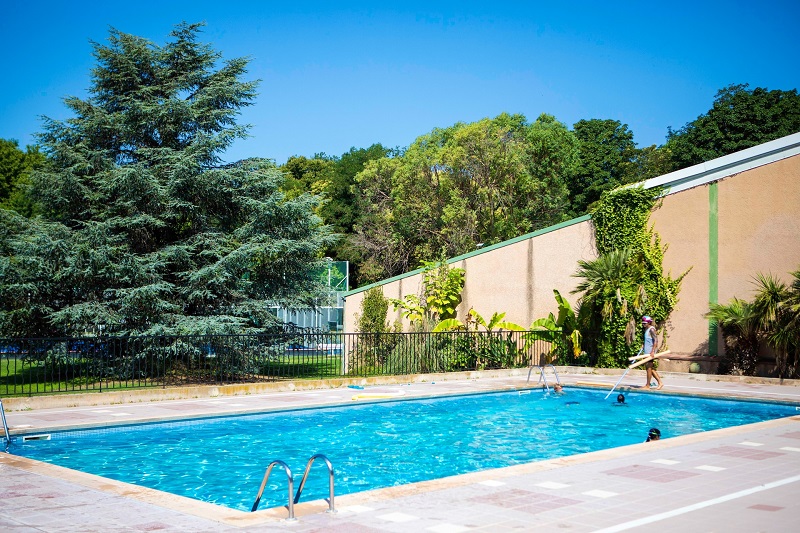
(627, 280)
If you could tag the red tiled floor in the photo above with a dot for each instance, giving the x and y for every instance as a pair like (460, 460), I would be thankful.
(764, 507)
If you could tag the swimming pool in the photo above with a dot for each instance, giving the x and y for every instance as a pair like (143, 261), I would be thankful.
(222, 460)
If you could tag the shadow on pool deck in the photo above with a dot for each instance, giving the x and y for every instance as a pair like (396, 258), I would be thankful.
(736, 479)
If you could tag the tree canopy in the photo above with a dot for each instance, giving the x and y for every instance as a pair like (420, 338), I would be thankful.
(739, 118)
(607, 152)
(143, 228)
(458, 187)
(15, 169)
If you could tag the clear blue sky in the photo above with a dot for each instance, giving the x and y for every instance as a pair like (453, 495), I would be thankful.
(336, 76)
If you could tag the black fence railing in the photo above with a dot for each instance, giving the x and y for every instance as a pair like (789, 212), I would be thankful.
(62, 365)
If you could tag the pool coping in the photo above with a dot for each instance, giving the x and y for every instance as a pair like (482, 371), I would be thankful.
(113, 397)
(236, 518)
(242, 519)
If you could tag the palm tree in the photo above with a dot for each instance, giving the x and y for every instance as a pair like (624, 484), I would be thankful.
(777, 308)
(740, 329)
(613, 297)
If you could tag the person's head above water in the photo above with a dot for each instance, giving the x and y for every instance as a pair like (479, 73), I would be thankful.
(558, 388)
(653, 434)
(620, 398)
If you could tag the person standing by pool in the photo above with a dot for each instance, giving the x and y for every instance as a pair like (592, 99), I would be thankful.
(650, 345)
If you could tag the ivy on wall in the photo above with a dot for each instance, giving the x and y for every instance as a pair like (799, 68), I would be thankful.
(627, 280)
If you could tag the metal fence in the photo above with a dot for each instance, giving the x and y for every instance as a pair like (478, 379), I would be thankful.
(64, 365)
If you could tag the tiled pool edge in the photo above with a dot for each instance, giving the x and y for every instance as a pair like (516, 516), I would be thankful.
(241, 519)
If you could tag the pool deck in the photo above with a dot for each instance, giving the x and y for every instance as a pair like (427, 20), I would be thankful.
(737, 479)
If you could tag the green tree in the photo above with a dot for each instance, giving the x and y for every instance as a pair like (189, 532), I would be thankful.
(607, 152)
(341, 209)
(304, 175)
(374, 310)
(739, 118)
(483, 182)
(649, 162)
(15, 169)
(145, 229)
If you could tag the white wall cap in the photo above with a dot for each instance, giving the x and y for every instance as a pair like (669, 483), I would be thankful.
(728, 165)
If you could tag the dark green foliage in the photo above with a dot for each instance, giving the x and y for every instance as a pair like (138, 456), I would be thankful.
(777, 310)
(374, 309)
(607, 152)
(739, 118)
(144, 230)
(341, 210)
(15, 169)
(334, 179)
(372, 350)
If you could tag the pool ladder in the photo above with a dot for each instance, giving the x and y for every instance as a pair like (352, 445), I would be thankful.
(5, 424)
(296, 498)
(542, 375)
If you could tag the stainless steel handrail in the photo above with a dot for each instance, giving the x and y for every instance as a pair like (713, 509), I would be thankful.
(264, 484)
(330, 480)
(5, 424)
(542, 375)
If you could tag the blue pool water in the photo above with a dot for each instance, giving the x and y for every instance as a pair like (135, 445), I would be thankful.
(222, 460)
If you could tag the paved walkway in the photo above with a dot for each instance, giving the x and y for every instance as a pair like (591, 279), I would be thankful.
(737, 479)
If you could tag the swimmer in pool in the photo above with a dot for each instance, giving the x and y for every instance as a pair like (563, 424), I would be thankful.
(653, 434)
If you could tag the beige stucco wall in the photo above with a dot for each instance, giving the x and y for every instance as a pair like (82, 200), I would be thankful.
(517, 279)
(682, 224)
(758, 231)
(759, 226)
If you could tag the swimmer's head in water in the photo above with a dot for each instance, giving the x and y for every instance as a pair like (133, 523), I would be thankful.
(620, 398)
(653, 434)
